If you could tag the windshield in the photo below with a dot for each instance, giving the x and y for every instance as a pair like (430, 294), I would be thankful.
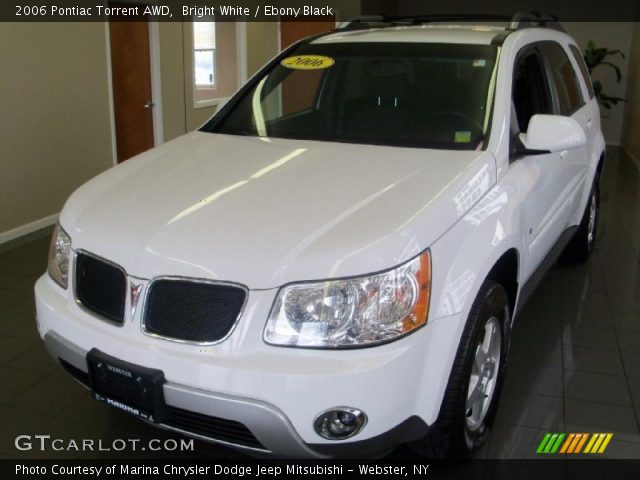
(400, 94)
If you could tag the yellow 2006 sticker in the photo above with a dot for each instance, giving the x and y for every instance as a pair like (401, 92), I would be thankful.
(307, 62)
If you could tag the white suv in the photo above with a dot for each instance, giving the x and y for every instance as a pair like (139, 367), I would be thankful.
(332, 264)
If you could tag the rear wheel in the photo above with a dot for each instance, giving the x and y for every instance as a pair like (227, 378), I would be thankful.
(581, 245)
(473, 390)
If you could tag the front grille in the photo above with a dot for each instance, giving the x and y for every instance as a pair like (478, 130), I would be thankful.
(215, 428)
(101, 287)
(192, 311)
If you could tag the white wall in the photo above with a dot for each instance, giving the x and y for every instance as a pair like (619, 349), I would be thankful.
(55, 129)
(631, 138)
(613, 35)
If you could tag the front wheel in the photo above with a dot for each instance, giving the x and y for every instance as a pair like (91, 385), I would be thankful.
(474, 386)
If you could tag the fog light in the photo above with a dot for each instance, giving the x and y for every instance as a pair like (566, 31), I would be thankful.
(340, 423)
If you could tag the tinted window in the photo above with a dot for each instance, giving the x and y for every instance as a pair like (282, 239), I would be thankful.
(583, 69)
(530, 91)
(408, 94)
(564, 78)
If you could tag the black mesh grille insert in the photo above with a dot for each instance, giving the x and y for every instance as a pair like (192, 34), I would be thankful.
(211, 427)
(101, 287)
(192, 311)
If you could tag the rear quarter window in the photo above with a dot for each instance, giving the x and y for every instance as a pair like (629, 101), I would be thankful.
(577, 54)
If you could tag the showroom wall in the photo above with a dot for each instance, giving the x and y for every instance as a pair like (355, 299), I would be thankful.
(55, 128)
(614, 36)
(631, 134)
(172, 79)
(175, 48)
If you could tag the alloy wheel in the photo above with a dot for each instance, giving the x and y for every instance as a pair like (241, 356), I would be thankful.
(484, 373)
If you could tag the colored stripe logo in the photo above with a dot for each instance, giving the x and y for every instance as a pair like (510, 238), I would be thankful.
(574, 443)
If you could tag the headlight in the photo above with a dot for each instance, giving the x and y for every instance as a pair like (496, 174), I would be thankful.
(59, 256)
(352, 312)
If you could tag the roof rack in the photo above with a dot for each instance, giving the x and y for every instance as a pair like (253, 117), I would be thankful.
(534, 19)
(516, 22)
(365, 22)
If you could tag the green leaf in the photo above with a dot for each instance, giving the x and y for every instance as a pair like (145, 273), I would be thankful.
(616, 52)
(594, 57)
(597, 87)
(615, 68)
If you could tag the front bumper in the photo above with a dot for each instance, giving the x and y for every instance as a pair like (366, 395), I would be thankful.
(267, 422)
(275, 392)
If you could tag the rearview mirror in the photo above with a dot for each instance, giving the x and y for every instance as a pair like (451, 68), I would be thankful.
(552, 133)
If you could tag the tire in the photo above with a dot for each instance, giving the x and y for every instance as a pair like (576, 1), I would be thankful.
(581, 245)
(463, 426)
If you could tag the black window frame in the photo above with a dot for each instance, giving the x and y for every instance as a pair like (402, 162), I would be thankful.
(531, 49)
(515, 145)
(555, 94)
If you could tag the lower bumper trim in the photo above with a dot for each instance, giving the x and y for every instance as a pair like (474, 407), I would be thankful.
(265, 430)
(412, 429)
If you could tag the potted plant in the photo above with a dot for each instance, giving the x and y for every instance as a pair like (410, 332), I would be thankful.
(595, 57)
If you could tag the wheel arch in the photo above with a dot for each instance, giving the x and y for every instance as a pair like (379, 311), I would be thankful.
(596, 167)
(600, 166)
(486, 243)
(505, 271)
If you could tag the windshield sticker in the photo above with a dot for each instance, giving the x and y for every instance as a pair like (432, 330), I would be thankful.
(463, 137)
(479, 62)
(307, 62)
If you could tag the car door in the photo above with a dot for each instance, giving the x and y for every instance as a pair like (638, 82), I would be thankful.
(589, 114)
(545, 212)
(569, 101)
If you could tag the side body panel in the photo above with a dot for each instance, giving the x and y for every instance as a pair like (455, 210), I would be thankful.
(566, 207)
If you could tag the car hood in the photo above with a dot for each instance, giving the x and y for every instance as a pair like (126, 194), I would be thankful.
(265, 212)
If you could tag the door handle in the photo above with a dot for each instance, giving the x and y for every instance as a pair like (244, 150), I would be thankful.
(564, 154)
(149, 104)
(589, 123)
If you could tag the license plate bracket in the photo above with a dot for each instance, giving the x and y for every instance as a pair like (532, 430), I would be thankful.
(134, 389)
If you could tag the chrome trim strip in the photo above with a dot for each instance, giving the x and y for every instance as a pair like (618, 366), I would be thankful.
(207, 439)
(75, 287)
(135, 292)
(178, 278)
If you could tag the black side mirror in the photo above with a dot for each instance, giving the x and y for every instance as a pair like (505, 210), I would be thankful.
(518, 150)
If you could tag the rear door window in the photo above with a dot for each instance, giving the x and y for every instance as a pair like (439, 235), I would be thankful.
(564, 78)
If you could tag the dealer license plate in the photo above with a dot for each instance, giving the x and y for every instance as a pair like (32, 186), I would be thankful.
(134, 389)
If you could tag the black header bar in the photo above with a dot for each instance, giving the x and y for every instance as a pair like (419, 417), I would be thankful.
(303, 10)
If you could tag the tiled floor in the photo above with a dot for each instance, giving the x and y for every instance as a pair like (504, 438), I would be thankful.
(575, 361)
